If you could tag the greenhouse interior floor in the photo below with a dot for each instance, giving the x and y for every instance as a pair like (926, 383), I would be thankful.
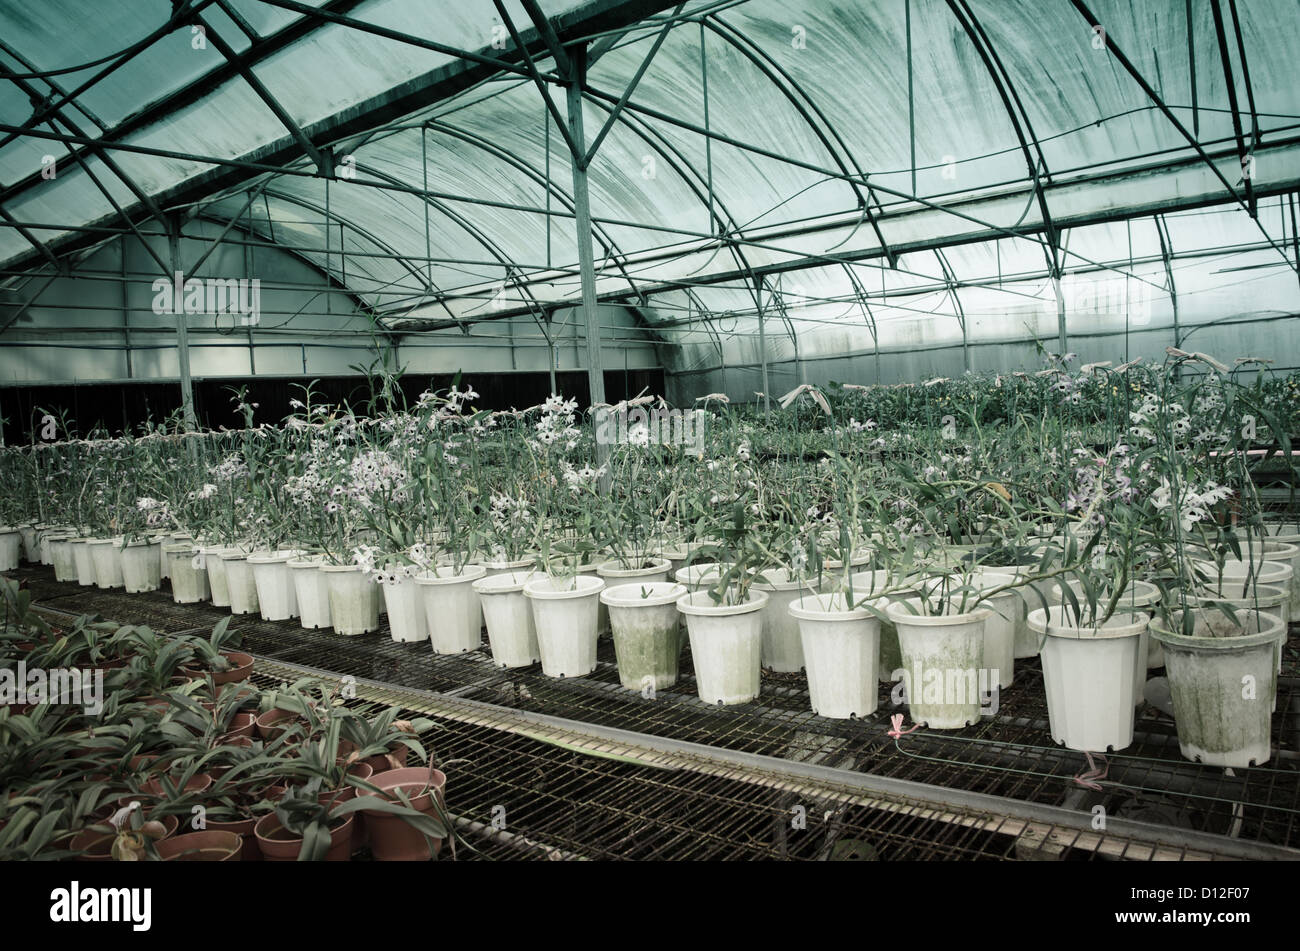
(585, 768)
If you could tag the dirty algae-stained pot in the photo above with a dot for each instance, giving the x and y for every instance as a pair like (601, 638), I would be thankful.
(65, 566)
(1222, 679)
(841, 648)
(565, 614)
(726, 646)
(942, 659)
(30, 551)
(508, 616)
(189, 579)
(354, 599)
(451, 608)
(1271, 600)
(646, 628)
(1090, 675)
(392, 838)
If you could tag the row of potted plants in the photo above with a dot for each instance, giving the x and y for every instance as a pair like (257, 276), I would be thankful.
(117, 743)
(1137, 480)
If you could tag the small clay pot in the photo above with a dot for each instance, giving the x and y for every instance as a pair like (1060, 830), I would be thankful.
(249, 852)
(210, 845)
(241, 725)
(392, 839)
(395, 758)
(279, 845)
(241, 669)
(268, 727)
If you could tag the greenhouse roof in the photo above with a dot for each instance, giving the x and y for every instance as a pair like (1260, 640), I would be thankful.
(814, 153)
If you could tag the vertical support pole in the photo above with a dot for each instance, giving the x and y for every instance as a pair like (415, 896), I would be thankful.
(1060, 314)
(911, 99)
(182, 327)
(762, 346)
(586, 256)
(126, 309)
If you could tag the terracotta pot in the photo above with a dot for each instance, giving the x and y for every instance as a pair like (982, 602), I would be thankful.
(248, 850)
(210, 845)
(242, 670)
(241, 726)
(395, 758)
(97, 846)
(267, 723)
(392, 839)
(279, 845)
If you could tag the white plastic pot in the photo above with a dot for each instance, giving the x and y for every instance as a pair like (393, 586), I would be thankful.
(188, 575)
(508, 615)
(354, 599)
(1139, 596)
(1222, 684)
(157, 541)
(782, 645)
(1289, 534)
(239, 582)
(696, 577)
(1003, 626)
(647, 632)
(841, 648)
(65, 567)
(85, 562)
(312, 591)
(407, 621)
(1090, 675)
(943, 657)
(11, 543)
(726, 646)
(216, 569)
(870, 584)
(451, 608)
(30, 549)
(140, 571)
(108, 562)
(565, 614)
(276, 598)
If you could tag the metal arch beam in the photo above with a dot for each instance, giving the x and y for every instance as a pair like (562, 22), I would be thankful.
(962, 13)
(950, 279)
(246, 73)
(176, 20)
(608, 244)
(488, 244)
(860, 293)
(174, 101)
(656, 141)
(531, 69)
(312, 206)
(774, 72)
(547, 33)
(1230, 82)
(631, 87)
